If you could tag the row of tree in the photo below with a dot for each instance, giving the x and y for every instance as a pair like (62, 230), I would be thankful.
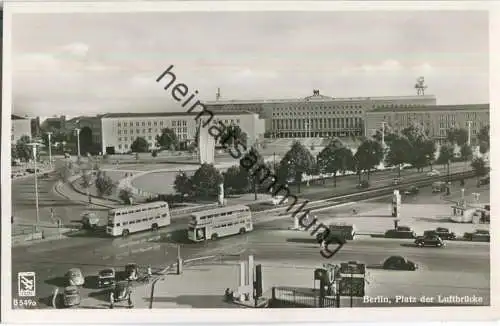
(168, 139)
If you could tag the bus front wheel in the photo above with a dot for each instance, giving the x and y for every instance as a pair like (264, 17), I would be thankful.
(214, 236)
(125, 233)
(242, 230)
(154, 227)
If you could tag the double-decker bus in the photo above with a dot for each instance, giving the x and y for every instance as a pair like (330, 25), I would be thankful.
(220, 222)
(130, 219)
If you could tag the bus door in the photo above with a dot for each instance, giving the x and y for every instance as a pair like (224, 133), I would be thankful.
(201, 233)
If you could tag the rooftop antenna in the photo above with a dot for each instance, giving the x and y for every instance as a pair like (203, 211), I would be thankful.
(217, 96)
(420, 85)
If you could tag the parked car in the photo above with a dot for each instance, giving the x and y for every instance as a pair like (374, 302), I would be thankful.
(363, 184)
(433, 173)
(397, 181)
(478, 235)
(399, 263)
(106, 278)
(131, 271)
(90, 220)
(485, 181)
(413, 190)
(429, 241)
(121, 291)
(401, 232)
(443, 233)
(438, 186)
(75, 277)
(71, 296)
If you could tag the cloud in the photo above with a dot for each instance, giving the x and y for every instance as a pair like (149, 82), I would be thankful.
(386, 66)
(76, 49)
(423, 69)
(252, 75)
(36, 62)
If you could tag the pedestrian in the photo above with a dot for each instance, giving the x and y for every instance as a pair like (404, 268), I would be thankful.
(111, 299)
(150, 272)
(130, 305)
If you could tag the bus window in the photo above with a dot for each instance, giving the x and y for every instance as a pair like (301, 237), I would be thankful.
(163, 215)
(125, 223)
(143, 209)
(118, 214)
(131, 222)
(138, 221)
(144, 219)
(117, 224)
(150, 218)
(157, 217)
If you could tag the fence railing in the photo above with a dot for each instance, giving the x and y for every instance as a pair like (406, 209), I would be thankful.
(289, 296)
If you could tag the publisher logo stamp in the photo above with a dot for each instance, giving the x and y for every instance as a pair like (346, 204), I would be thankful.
(26, 284)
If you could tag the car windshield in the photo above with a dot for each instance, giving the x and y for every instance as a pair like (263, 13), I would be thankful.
(106, 272)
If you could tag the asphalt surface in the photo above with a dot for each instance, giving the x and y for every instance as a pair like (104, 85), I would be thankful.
(91, 253)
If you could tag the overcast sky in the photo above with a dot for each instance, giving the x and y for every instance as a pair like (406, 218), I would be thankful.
(92, 63)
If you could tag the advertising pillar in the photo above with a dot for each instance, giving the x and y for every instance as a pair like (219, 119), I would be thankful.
(396, 204)
(221, 194)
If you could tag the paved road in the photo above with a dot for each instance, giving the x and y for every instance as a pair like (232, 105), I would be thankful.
(51, 261)
(24, 208)
(90, 253)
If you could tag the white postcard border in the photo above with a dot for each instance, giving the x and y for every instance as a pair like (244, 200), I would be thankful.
(240, 316)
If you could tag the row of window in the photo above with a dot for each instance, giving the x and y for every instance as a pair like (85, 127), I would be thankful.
(317, 123)
(319, 107)
(315, 113)
(223, 225)
(138, 210)
(149, 130)
(224, 214)
(139, 220)
(151, 123)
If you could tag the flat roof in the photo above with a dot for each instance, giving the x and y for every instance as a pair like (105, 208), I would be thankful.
(169, 114)
(321, 98)
(448, 107)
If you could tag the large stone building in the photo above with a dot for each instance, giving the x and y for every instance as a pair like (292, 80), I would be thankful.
(318, 115)
(437, 119)
(20, 127)
(119, 130)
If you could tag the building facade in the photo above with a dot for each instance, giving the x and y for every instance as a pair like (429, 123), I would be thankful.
(20, 127)
(119, 130)
(437, 119)
(319, 115)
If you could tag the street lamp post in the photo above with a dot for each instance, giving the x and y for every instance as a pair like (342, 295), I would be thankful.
(37, 226)
(78, 139)
(49, 134)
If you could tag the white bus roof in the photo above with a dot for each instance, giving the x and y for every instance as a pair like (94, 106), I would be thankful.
(146, 205)
(219, 210)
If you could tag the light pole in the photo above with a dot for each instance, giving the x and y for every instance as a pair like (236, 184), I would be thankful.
(383, 134)
(37, 226)
(468, 132)
(49, 134)
(78, 139)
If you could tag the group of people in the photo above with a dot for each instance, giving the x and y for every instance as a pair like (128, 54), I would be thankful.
(149, 274)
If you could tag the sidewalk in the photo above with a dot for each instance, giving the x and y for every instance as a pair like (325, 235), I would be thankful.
(203, 286)
(420, 217)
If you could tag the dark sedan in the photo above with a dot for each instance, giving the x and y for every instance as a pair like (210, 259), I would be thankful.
(399, 263)
(106, 278)
(429, 241)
